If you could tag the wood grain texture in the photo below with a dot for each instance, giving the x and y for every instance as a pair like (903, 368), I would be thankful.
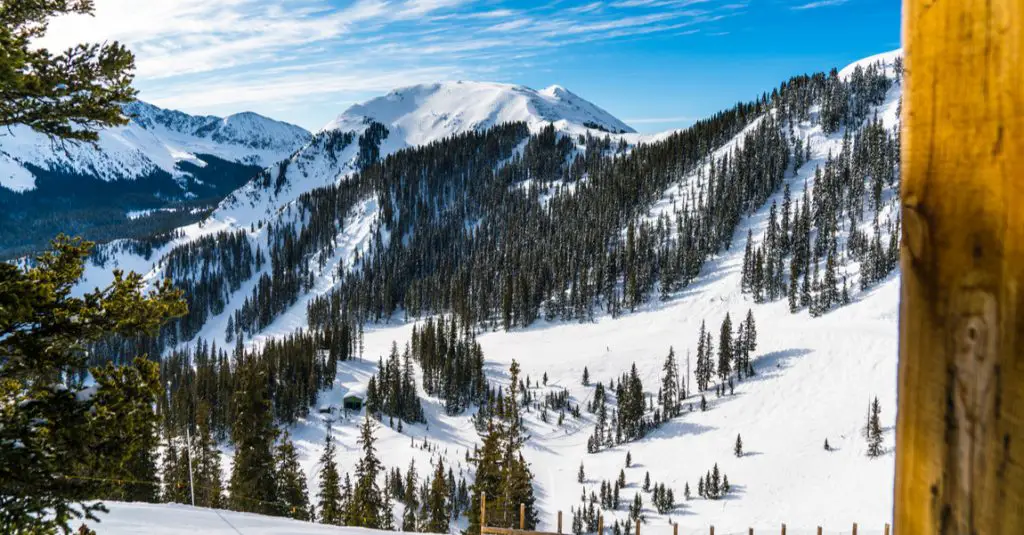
(960, 424)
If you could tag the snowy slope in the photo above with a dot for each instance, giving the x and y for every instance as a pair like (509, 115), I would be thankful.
(166, 519)
(422, 113)
(414, 116)
(332, 155)
(155, 139)
(815, 379)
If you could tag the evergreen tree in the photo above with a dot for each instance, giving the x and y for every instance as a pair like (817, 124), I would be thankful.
(715, 483)
(123, 427)
(705, 366)
(725, 349)
(502, 473)
(738, 448)
(875, 430)
(209, 486)
(253, 484)
(44, 417)
(174, 470)
(329, 497)
(347, 492)
(387, 513)
(365, 510)
(580, 477)
(291, 481)
(671, 397)
(437, 519)
(410, 498)
(67, 95)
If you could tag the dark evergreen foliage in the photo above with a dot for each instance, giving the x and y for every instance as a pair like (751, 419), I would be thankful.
(452, 363)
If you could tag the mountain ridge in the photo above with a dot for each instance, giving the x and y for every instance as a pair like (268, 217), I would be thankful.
(407, 117)
(167, 165)
(445, 108)
(154, 138)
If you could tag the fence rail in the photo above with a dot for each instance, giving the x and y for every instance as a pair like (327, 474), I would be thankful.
(494, 530)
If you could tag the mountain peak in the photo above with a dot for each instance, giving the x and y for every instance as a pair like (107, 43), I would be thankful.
(422, 113)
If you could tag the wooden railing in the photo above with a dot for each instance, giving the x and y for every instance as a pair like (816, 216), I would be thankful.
(493, 530)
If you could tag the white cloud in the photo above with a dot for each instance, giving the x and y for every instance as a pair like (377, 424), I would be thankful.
(661, 120)
(819, 3)
(227, 55)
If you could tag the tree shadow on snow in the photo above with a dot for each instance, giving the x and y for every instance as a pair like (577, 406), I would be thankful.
(736, 492)
(675, 428)
(771, 364)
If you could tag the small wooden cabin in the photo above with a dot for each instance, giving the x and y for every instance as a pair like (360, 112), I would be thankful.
(353, 402)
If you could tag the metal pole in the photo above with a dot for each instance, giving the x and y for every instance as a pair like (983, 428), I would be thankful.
(687, 372)
(188, 453)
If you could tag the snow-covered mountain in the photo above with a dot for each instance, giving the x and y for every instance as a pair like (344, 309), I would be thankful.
(412, 116)
(154, 140)
(163, 169)
(422, 113)
(815, 376)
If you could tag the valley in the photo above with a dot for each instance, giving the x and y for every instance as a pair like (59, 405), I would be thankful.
(561, 241)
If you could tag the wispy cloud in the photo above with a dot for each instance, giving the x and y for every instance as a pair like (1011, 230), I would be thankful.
(227, 55)
(587, 8)
(661, 120)
(819, 3)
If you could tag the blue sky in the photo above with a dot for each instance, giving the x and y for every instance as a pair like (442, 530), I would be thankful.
(656, 64)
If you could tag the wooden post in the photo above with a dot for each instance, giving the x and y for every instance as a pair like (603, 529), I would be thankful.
(600, 524)
(960, 426)
(522, 516)
(712, 530)
(751, 531)
(638, 526)
(783, 529)
(819, 530)
(560, 523)
(886, 529)
(483, 510)
(675, 528)
(854, 528)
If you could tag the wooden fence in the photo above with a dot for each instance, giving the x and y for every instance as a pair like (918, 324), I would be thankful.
(493, 530)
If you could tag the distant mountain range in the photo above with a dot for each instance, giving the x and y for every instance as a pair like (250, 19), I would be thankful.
(161, 170)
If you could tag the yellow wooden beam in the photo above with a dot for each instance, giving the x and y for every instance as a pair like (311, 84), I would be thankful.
(960, 424)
